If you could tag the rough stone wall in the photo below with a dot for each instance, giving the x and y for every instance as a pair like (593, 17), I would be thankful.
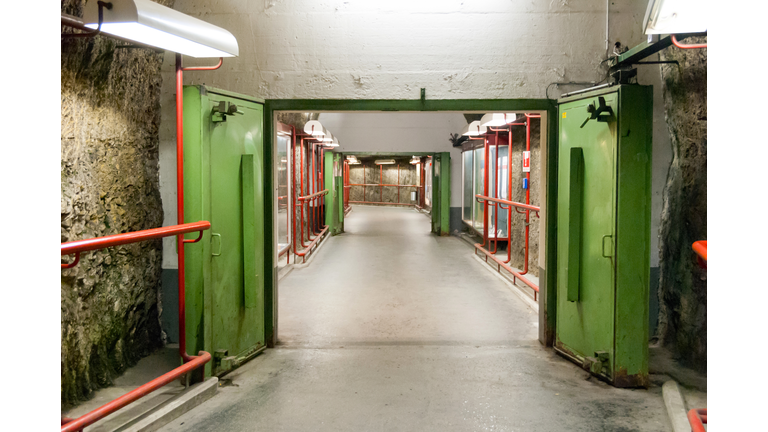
(386, 194)
(683, 285)
(518, 195)
(110, 115)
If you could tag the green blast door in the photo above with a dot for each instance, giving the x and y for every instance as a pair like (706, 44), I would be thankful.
(603, 232)
(223, 183)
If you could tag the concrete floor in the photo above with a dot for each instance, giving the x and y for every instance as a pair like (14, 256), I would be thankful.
(392, 328)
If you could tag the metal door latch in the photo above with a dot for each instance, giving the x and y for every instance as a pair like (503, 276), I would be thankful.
(222, 110)
(595, 365)
(603, 113)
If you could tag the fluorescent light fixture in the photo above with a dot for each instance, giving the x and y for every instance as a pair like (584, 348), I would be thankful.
(497, 119)
(354, 162)
(385, 162)
(675, 17)
(474, 129)
(314, 128)
(328, 137)
(149, 23)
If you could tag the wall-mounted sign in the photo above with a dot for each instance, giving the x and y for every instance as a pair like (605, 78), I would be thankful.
(526, 161)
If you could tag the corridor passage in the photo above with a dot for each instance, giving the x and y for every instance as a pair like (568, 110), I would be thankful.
(391, 328)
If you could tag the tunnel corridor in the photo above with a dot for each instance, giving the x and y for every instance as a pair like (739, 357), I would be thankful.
(393, 328)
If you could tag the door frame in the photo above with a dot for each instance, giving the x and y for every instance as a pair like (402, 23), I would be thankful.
(547, 275)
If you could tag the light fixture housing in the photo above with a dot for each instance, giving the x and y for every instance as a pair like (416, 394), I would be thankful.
(149, 23)
(385, 162)
(675, 17)
(314, 128)
(327, 137)
(474, 129)
(497, 119)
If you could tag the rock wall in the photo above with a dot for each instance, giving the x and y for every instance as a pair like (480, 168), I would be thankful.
(683, 285)
(110, 114)
(388, 174)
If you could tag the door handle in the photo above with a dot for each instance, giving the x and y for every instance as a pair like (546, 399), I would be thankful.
(212, 236)
(610, 253)
(575, 202)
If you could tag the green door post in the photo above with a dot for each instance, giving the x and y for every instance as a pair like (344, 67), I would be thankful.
(445, 194)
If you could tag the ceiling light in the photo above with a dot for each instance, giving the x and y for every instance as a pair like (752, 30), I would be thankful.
(385, 162)
(497, 119)
(675, 17)
(474, 129)
(314, 128)
(149, 23)
(327, 137)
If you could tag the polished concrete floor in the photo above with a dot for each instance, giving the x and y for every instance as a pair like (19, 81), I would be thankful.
(392, 328)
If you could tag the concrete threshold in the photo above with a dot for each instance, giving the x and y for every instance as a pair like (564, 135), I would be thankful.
(673, 400)
(157, 409)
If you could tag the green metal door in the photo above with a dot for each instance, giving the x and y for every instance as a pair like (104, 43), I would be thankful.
(586, 192)
(603, 232)
(224, 169)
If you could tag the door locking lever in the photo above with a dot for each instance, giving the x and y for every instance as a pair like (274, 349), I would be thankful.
(603, 113)
(223, 109)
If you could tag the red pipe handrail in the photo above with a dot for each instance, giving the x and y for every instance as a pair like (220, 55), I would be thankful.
(506, 267)
(697, 418)
(314, 195)
(103, 411)
(78, 246)
(481, 198)
(700, 247)
(684, 46)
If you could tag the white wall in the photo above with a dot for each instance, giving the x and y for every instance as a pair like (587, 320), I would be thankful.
(367, 49)
(400, 132)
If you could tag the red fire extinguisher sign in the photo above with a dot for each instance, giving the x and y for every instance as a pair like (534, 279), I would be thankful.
(526, 161)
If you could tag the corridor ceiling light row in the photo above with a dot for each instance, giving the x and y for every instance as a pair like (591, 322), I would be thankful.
(316, 129)
(149, 23)
(474, 129)
(385, 162)
(497, 119)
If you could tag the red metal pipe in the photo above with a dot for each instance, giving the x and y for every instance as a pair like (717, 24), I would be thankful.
(314, 195)
(203, 68)
(509, 196)
(78, 246)
(381, 181)
(700, 247)
(501, 264)
(377, 184)
(697, 418)
(682, 46)
(293, 191)
(481, 198)
(527, 193)
(496, 205)
(398, 183)
(485, 192)
(103, 411)
(378, 202)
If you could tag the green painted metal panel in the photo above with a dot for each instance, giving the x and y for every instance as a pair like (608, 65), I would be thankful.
(224, 184)
(548, 278)
(445, 193)
(573, 250)
(330, 198)
(435, 211)
(633, 233)
(602, 314)
(251, 269)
